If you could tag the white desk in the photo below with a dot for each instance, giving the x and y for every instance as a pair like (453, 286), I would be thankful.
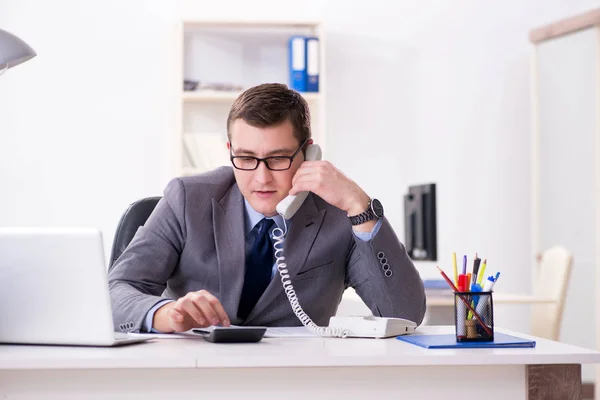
(291, 369)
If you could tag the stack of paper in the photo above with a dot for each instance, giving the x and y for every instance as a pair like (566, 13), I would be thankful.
(272, 332)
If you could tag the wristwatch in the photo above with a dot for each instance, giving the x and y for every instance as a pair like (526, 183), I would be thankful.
(374, 210)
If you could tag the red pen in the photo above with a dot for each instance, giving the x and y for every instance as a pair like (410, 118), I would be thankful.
(448, 280)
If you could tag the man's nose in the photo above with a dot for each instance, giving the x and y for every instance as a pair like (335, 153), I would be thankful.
(263, 174)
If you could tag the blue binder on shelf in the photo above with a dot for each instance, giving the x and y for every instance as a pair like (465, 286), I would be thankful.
(297, 63)
(501, 340)
(312, 64)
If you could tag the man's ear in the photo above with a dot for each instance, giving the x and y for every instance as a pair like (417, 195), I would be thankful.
(228, 145)
(310, 141)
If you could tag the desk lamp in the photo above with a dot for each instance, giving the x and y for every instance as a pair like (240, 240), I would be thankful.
(13, 51)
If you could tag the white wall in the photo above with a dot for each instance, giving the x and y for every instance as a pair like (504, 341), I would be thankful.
(417, 92)
(84, 125)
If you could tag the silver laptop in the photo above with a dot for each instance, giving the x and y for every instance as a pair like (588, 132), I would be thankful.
(54, 288)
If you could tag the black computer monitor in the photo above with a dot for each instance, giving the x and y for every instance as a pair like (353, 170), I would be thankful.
(420, 222)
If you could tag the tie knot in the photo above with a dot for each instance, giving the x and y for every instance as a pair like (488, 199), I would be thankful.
(264, 225)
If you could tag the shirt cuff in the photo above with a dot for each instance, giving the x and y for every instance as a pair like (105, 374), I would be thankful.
(147, 327)
(367, 236)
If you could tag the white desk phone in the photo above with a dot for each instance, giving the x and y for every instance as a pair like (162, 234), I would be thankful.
(358, 326)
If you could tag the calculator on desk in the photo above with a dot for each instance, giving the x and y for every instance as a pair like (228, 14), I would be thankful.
(232, 334)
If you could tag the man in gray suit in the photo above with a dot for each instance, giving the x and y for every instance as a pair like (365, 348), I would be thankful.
(205, 255)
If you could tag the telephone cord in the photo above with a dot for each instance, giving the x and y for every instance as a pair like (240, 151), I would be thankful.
(278, 236)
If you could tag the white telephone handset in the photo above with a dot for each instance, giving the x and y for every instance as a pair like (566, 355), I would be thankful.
(288, 206)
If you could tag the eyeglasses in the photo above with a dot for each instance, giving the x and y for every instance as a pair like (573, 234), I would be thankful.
(275, 163)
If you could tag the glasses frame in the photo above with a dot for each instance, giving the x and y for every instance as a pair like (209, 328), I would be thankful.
(266, 159)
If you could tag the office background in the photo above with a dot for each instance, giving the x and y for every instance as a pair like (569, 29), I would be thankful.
(417, 92)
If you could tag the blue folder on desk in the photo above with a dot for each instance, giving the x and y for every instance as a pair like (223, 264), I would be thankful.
(501, 340)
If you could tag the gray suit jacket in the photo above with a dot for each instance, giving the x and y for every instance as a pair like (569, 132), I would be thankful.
(195, 239)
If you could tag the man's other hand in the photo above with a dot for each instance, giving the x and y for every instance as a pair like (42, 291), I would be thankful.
(194, 310)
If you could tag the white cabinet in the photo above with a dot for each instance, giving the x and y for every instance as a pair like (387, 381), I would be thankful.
(566, 160)
(237, 55)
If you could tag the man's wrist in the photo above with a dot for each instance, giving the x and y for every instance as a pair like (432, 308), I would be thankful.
(365, 226)
(358, 205)
(364, 214)
(160, 321)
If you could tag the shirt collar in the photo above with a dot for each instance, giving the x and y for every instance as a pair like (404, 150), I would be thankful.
(253, 217)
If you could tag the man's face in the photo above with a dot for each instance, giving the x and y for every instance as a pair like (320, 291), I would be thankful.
(264, 188)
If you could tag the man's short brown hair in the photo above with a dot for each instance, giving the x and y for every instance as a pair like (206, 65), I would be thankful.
(271, 104)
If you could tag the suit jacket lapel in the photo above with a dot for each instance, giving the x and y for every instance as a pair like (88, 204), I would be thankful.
(228, 225)
(305, 226)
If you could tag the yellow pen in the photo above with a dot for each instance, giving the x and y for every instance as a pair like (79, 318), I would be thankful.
(455, 269)
(482, 272)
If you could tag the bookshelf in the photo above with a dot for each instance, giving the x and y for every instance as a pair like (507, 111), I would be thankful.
(240, 54)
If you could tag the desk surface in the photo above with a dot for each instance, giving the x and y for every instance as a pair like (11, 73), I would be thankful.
(286, 352)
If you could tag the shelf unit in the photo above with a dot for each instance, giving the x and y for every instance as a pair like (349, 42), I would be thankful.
(245, 53)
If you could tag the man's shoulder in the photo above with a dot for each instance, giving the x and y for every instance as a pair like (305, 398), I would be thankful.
(214, 183)
(221, 176)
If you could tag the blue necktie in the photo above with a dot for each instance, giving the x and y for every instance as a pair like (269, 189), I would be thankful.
(259, 264)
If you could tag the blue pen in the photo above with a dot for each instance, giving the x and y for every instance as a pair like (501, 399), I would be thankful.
(474, 298)
(464, 265)
(476, 287)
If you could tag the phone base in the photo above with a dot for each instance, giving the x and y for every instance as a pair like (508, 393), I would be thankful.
(373, 327)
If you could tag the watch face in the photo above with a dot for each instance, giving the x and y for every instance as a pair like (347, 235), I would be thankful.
(377, 208)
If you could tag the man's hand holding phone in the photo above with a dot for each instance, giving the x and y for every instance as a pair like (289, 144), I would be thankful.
(326, 181)
(194, 310)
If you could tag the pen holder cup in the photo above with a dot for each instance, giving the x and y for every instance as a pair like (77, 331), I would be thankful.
(474, 316)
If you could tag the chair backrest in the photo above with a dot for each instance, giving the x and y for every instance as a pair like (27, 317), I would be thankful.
(552, 274)
(135, 216)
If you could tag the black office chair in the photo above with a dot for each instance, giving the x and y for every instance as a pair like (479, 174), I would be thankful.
(135, 216)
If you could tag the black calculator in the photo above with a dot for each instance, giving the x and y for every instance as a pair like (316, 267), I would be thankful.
(232, 334)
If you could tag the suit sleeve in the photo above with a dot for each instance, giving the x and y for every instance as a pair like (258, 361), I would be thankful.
(385, 277)
(139, 276)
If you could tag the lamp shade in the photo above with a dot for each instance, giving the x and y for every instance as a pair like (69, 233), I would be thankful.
(13, 51)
